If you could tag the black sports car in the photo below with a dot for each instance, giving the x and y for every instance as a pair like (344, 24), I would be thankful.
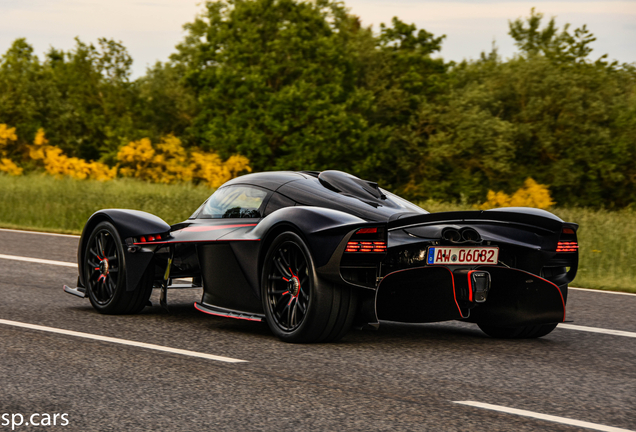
(315, 253)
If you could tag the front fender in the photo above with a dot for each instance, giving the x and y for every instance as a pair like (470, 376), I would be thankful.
(129, 223)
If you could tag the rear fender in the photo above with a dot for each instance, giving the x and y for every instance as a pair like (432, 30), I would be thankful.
(322, 229)
(129, 223)
(325, 232)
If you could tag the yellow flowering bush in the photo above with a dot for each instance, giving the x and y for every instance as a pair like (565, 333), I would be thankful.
(8, 166)
(7, 134)
(168, 162)
(57, 163)
(531, 194)
(208, 168)
(7, 138)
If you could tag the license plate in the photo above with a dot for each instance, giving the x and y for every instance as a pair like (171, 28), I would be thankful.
(458, 255)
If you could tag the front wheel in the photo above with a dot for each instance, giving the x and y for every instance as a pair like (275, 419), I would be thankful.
(523, 332)
(105, 274)
(298, 306)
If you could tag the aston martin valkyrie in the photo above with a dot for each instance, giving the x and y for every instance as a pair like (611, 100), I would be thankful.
(314, 254)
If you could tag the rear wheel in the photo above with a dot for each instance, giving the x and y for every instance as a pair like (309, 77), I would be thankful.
(524, 332)
(298, 307)
(105, 274)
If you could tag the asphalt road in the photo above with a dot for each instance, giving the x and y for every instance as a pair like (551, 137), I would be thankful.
(401, 377)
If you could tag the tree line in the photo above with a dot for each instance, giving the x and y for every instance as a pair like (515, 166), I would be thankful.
(295, 85)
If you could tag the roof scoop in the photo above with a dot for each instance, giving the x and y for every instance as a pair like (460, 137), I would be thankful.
(339, 181)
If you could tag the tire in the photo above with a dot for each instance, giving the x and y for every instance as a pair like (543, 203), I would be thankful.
(564, 293)
(105, 274)
(298, 307)
(524, 332)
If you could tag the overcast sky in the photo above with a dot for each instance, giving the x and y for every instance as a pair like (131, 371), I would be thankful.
(150, 29)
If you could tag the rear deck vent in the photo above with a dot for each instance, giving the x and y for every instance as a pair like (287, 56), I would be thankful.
(342, 182)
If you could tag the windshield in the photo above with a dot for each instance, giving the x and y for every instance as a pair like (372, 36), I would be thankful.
(234, 202)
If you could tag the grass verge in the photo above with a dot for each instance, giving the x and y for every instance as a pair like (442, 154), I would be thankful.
(43, 203)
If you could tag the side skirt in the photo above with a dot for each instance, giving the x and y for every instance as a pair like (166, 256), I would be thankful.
(229, 313)
(79, 291)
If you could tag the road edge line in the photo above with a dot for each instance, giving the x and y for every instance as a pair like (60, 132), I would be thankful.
(545, 417)
(121, 341)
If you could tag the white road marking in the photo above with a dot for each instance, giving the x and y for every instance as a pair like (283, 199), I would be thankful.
(539, 416)
(603, 291)
(38, 232)
(38, 260)
(563, 326)
(122, 341)
(76, 236)
(597, 330)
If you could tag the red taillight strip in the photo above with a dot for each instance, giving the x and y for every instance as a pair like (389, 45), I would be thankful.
(367, 231)
(567, 247)
(148, 239)
(366, 246)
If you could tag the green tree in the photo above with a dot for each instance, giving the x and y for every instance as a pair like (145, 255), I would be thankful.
(22, 92)
(405, 79)
(165, 104)
(557, 46)
(275, 80)
(83, 98)
(92, 111)
(549, 113)
(301, 85)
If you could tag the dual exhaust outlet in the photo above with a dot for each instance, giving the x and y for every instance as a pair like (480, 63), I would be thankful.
(463, 235)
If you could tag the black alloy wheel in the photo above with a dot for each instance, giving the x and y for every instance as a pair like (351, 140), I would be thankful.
(105, 274)
(102, 268)
(288, 286)
(299, 307)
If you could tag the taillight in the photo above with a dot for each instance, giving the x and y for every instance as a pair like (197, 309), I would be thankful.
(366, 246)
(367, 231)
(148, 239)
(568, 241)
(367, 240)
(564, 246)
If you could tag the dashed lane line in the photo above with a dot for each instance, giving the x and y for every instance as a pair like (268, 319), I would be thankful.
(38, 260)
(546, 417)
(121, 341)
(38, 232)
(597, 330)
(563, 326)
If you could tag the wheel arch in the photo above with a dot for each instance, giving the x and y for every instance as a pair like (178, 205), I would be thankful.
(128, 223)
(320, 228)
(90, 225)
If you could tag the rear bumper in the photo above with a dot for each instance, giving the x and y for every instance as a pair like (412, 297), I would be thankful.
(431, 294)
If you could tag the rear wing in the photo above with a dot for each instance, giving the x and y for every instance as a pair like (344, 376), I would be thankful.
(519, 216)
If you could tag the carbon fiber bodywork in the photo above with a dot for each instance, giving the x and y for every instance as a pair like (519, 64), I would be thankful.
(330, 211)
